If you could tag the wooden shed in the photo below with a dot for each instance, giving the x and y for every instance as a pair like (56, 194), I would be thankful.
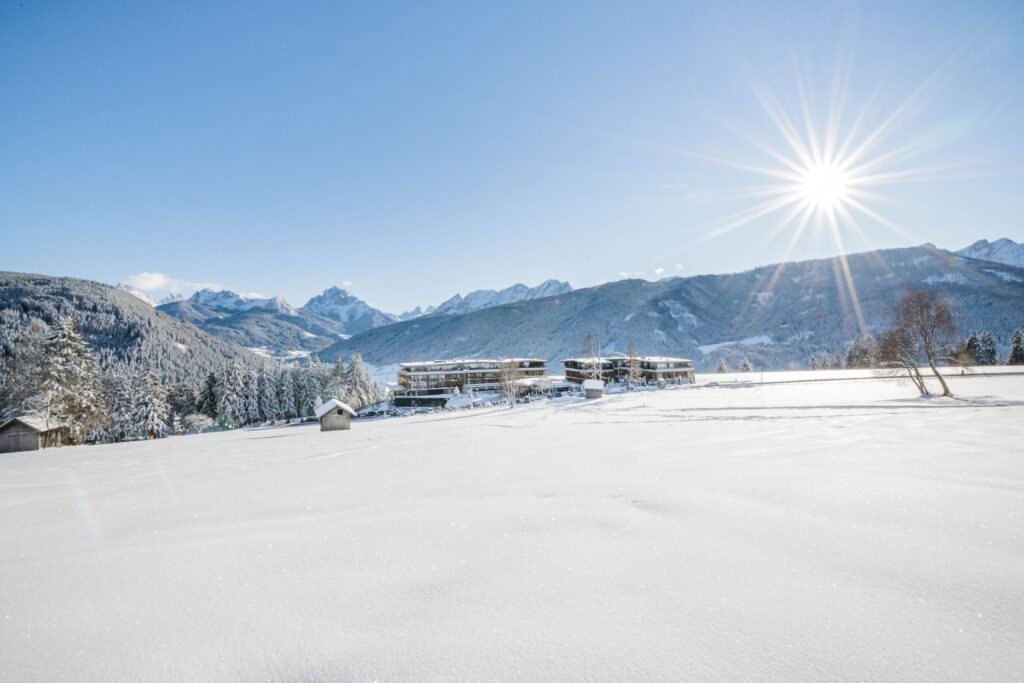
(29, 433)
(593, 388)
(335, 415)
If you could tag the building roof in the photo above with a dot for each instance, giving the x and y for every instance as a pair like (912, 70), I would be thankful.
(593, 384)
(334, 404)
(458, 361)
(589, 360)
(35, 422)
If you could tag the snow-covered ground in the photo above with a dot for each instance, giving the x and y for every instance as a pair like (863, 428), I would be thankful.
(803, 531)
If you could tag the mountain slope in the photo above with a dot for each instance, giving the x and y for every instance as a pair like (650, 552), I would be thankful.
(119, 326)
(485, 298)
(712, 316)
(1003, 251)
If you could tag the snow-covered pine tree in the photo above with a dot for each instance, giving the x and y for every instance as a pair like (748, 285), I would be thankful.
(318, 378)
(266, 394)
(1016, 356)
(722, 367)
(972, 346)
(988, 354)
(209, 396)
(250, 397)
(69, 393)
(22, 372)
(119, 424)
(862, 351)
(285, 392)
(150, 405)
(230, 403)
(837, 361)
(300, 390)
(813, 364)
(361, 390)
(745, 366)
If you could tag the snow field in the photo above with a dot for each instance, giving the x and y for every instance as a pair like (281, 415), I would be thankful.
(823, 530)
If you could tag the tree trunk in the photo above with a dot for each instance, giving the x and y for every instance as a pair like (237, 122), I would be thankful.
(938, 375)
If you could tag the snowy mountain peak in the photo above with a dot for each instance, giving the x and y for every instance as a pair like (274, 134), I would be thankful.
(137, 294)
(485, 298)
(417, 312)
(1001, 251)
(338, 304)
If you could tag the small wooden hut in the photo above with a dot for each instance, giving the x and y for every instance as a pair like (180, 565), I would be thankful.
(335, 415)
(29, 433)
(593, 388)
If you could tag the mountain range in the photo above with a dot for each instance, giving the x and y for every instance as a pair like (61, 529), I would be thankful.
(273, 327)
(778, 315)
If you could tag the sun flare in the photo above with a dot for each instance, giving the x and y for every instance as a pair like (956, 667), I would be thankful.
(824, 187)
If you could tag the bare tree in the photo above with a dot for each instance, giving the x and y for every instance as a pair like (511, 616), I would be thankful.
(509, 378)
(928, 319)
(591, 353)
(923, 328)
(897, 351)
(633, 368)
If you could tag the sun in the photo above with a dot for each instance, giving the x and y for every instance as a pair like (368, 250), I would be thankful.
(824, 186)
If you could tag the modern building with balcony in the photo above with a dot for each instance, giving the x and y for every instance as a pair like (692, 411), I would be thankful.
(432, 383)
(651, 370)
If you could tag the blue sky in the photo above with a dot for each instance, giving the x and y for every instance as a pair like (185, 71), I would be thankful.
(416, 150)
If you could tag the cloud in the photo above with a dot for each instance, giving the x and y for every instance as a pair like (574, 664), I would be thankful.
(659, 271)
(161, 282)
(629, 274)
(679, 266)
(347, 283)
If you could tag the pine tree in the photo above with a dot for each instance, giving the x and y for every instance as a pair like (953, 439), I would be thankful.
(317, 379)
(745, 366)
(120, 422)
(22, 372)
(862, 352)
(837, 361)
(150, 405)
(230, 404)
(266, 393)
(69, 394)
(360, 388)
(722, 367)
(285, 393)
(209, 396)
(988, 354)
(250, 398)
(813, 363)
(299, 388)
(1016, 348)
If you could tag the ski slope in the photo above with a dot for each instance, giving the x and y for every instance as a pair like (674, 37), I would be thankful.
(841, 530)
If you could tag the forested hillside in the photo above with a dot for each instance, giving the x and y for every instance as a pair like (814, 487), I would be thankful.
(120, 328)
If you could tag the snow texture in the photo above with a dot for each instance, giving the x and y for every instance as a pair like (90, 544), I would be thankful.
(804, 531)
